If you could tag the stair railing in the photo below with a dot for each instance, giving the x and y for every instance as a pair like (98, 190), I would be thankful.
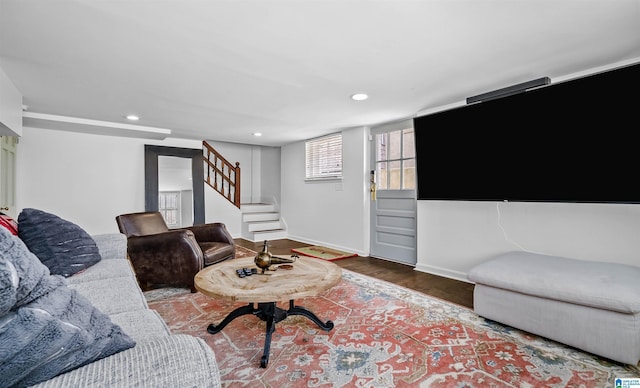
(221, 175)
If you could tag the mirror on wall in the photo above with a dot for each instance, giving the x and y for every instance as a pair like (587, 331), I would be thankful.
(178, 159)
(175, 191)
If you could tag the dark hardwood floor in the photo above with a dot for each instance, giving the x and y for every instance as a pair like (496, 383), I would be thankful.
(404, 275)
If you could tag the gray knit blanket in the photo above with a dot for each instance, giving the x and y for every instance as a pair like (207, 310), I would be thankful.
(46, 328)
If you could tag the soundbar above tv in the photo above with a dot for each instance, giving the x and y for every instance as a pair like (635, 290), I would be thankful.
(572, 141)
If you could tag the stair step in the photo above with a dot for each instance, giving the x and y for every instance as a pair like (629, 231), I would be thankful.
(265, 216)
(270, 235)
(261, 221)
(264, 225)
(257, 208)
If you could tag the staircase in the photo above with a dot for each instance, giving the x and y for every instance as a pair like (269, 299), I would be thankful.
(261, 221)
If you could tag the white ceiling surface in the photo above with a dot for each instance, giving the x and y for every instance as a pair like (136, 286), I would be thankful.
(222, 70)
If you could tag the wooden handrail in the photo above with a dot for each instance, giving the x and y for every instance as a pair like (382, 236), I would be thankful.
(221, 175)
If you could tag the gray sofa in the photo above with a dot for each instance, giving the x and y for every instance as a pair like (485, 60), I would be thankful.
(159, 358)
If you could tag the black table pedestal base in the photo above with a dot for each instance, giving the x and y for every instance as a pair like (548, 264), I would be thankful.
(271, 314)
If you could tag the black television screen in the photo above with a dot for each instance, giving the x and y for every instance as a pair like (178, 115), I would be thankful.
(572, 141)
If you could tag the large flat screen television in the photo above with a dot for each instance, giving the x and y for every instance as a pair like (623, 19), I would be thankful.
(572, 141)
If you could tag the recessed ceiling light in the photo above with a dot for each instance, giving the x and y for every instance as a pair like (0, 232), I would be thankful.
(359, 97)
(133, 117)
(257, 134)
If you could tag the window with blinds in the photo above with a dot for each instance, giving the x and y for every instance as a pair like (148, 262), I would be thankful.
(324, 157)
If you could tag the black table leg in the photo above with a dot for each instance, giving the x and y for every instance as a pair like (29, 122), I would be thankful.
(271, 314)
(298, 310)
(244, 310)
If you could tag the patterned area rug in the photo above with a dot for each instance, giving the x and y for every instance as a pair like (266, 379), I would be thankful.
(384, 336)
(320, 252)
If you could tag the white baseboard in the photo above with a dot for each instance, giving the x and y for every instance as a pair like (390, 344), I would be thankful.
(455, 275)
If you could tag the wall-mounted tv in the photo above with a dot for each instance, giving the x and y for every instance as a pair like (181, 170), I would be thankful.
(572, 141)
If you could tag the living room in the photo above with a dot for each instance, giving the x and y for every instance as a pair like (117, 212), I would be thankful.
(226, 72)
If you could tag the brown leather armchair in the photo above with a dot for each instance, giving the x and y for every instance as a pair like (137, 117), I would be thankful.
(163, 256)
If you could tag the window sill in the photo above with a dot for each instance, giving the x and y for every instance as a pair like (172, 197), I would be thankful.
(323, 180)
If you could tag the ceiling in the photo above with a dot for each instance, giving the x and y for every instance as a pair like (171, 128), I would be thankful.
(223, 70)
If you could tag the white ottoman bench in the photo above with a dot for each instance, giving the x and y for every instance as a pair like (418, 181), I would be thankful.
(593, 306)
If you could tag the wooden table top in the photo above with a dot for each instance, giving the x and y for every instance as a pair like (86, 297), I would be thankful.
(308, 277)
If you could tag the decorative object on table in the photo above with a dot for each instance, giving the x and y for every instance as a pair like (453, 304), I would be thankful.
(265, 259)
(320, 252)
(389, 335)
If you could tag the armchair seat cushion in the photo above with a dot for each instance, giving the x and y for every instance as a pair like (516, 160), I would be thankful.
(215, 252)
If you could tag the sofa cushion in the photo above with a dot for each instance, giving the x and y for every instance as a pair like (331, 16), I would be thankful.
(141, 325)
(169, 361)
(51, 328)
(64, 247)
(111, 245)
(105, 269)
(113, 296)
(609, 286)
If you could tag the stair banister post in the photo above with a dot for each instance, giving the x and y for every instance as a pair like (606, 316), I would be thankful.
(236, 191)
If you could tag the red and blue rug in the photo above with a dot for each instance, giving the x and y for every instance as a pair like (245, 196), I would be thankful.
(384, 336)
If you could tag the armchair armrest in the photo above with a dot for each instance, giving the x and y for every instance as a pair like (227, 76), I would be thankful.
(212, 232)
(172, 257)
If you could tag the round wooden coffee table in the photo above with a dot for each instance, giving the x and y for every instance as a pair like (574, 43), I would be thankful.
(306, 277)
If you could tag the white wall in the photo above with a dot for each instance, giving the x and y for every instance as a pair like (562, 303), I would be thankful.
(10, 107)
(270, 175)
(453, 236)
(90, 179)
(330, 213)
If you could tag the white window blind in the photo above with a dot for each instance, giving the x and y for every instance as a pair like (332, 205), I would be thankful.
(324, 157)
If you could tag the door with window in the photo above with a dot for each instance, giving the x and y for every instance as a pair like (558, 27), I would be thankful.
(393, 193)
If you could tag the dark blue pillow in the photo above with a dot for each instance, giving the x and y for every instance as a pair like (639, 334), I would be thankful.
(64, 247)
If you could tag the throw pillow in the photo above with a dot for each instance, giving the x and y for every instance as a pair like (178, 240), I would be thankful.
(9, 223)
(51, 329)
(64, 247)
